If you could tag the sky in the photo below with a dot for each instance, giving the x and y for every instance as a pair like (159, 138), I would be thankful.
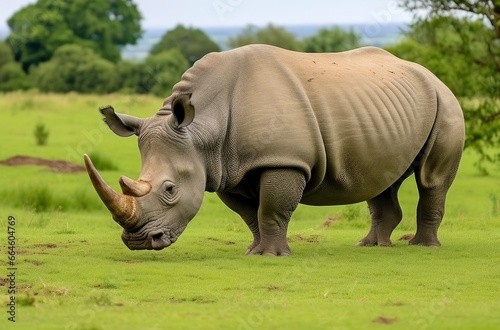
(223, 13)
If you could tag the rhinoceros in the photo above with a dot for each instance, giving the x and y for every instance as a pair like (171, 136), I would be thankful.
(267, 128)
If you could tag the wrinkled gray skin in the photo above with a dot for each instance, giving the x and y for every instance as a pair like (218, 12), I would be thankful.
(268, 128)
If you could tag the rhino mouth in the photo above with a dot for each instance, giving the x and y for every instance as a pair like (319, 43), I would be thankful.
(157, 239)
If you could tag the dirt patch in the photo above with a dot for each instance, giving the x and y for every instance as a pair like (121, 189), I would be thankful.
(406, 237)
(130, 261)
(57, 291)
(47, 245)
(59, 166)
(213, 239)
(385, 320)
(300, 237)
(36, 262)
(328, 222)
(273, 288)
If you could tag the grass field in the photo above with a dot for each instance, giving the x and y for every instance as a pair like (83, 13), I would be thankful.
(73, 271)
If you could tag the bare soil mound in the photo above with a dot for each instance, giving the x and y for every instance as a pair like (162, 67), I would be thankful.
(60, 166)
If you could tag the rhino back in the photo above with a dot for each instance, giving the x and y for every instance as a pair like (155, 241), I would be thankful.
(353, 122)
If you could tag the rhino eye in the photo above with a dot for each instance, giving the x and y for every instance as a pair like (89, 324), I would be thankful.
(170, 193)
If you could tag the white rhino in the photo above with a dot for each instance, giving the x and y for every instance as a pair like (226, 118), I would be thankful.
(268, 128)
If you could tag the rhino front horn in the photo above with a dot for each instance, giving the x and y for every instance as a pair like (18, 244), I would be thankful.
(123, 208)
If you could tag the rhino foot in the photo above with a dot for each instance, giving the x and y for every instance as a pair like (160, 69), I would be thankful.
(373, 241)
(270, 249)
(252, 246)
(422, 241)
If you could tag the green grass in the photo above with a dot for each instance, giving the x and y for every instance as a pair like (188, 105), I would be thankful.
(73, 271)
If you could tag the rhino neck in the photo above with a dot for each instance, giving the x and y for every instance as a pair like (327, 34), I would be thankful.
(211, 89)
(208, 141)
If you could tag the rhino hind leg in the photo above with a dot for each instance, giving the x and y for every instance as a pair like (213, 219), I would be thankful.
(385, 215)
(280, 192)
(430, 211)
(434, 176)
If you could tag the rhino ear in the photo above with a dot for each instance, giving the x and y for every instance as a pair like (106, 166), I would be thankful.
(183, 110)
(122, 125)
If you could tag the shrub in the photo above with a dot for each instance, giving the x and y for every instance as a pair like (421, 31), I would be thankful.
(6, 54)
(74, 68)
(270, 35)
(162, 71)
(12, 77)
(193, 43)
(41, 134)
(334, 39)
(130, 76)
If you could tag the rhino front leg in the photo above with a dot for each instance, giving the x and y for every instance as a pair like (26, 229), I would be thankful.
(280, 192)
(247, 209)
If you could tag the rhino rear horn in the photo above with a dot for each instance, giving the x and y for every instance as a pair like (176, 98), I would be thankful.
(134, 188)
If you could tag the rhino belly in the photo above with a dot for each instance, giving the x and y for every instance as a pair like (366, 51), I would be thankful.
(356, 184)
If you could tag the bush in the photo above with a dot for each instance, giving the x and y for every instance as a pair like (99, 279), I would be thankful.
(131, 75)
(331, 40)
(269, 35)
(454, 69)
(78, 69)
(41, 134)
(12, 76)
(193, 43)
(6, 54)
(162, 71)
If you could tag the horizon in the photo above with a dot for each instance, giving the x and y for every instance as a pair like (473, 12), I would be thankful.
(227, 13)
(4, 31)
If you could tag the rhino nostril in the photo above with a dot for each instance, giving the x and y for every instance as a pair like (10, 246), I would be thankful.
(157, 236)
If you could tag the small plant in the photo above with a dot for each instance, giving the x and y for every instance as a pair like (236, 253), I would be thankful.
(495, 211)
(41, 134)
(27, 300)
(100, 299)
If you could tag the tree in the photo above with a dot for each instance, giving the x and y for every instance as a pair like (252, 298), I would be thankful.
(270, 35)
(480, 45)
(193, 43)
(162, 71)
(131, 74)
(37, 30)
(438, 49)
(12, 76)
(334, 39)
(74, 68)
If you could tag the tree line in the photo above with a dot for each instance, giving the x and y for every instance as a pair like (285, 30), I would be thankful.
(62, 45)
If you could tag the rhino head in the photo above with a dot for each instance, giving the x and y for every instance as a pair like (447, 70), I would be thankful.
(155, 209)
